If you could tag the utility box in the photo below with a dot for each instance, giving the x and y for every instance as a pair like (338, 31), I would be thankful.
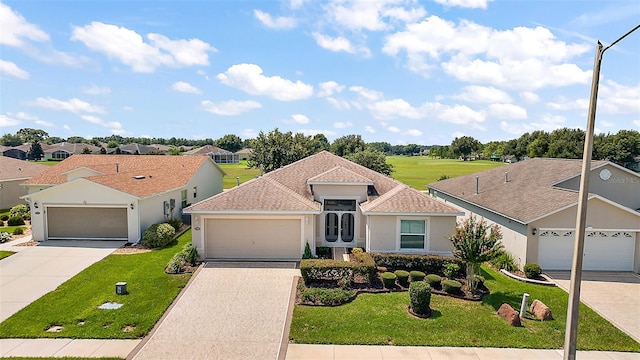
(121, 288)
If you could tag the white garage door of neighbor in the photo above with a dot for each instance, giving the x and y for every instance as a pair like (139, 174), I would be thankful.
(87, 223)
(253, 239)
(603, 250)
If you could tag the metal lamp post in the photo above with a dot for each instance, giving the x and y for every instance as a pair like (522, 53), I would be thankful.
(571, 333)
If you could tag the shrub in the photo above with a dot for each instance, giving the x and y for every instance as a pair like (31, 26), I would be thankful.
(451, 270)
(190, 254)
(403, 277)
(323, 252)
(307, 252)
(416, 275)
(324, 269)
(532, 270)
(4, 217)
(21, 210)
(18, 231)
(420, 297)
(479, 280)
(158, 235)
(344, 283)
(174, 266)
(504, 260)
(365, 266)
(327, 296)
(428, 264)
(4, 237)
(451, 286)
(434, 280)
(357, 251)
(388, 279)
(175, 223)
(15, 221)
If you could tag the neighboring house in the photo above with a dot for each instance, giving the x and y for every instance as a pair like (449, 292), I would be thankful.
(139, 149)
(18, 152)
(535, 203)
(116, 196)
(13, 172)
(243, 154)
(322, 200)
(63, 150)
(220, 156)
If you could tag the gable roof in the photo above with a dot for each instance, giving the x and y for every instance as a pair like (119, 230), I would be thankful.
(206, 150)
(529, 194)
(287, 189)
(158, 173)
(73, 148)
(14, 169)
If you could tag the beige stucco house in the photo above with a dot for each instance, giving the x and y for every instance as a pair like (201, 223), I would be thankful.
(322, 200)
(535, 204)
(13, 172)
(116, 196)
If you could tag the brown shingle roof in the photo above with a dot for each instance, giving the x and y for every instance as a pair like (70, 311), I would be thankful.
(339, 175)
(529, 193)
(205, 150)
(161, 173)
(72, 148)
(405, 200)
(11, 168)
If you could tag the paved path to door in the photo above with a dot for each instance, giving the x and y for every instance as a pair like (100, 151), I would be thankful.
(614, 295)
(229, 311)
(36, 270)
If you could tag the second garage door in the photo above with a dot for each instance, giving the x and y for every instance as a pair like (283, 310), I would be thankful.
(253, 239)
(87, 223)
(603, 250)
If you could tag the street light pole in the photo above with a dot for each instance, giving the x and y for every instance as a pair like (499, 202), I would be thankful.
(571, 332)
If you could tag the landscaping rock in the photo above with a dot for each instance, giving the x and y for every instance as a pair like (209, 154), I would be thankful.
(540, 310)
(510, 315)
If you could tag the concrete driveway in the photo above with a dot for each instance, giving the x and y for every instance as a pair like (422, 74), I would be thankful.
(229, 311)
(613, 295)
(35, 270)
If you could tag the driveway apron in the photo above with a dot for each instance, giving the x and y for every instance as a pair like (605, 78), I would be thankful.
(614, 295)
(229, 311)
(37, 270)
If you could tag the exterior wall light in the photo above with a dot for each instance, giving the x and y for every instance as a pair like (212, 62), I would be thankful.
(534, 231)
(131, 206)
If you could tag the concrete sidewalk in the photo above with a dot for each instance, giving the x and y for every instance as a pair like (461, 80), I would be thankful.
(66, 347)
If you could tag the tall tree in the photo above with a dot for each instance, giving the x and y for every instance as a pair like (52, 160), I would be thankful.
(566, 143)
(29, 135)
(11, 140)
(464, 146)
(276, 149)
(626, 146)
(321, 142)
(347, 144)
(35, 151)
(372, 159)
(384, 147)
(229, 142)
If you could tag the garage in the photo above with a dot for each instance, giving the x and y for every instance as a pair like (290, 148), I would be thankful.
(275, 239)
(603, 250)
(87, 223)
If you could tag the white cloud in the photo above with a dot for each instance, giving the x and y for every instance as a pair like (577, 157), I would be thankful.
(636, 123)
(483, 94)
(471, 4)
(369, 129)
(338, 44)
(547, 122)
(66, 127)
(44, 123)
(6, 121)
(371, 15)
(413, 132)
(280, 23)
(23, 116)
(185, 87)
(460, 115)
(328, 88)
(618, 99)
(230, 107)
(506, 112)
(393, 129)
(367, 94)
(114, 126)
(565, 104)
(249, 78)
(300, 119)
(130, 48)
(96, 90)
(74, 105)
(530, 97)
(248, 133)
(391, 109)
(342, 124)
(296, 4)
(11, 69)
(339, 104)
(313, 132)
(15, 29)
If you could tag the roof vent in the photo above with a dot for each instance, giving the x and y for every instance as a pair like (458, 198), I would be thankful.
(477, 185)
(506, 177)
(139, 177)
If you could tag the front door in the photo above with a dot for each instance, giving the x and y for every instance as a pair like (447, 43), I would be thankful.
(339, 221)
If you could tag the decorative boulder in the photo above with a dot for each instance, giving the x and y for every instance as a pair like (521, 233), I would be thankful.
(510, 315)
(540, 310)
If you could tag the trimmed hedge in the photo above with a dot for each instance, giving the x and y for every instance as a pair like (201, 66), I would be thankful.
(334, 270)
(532, 270)
(428, 264)
(158, 235)
(388, 279)
(420, 297)
(451, 286)
(403, 277)
(324, 296)
(15, 221)
(451, 271)
(434, 280)
(18, 231)
(416, 275)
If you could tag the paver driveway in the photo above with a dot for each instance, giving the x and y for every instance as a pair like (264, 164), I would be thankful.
(36, 270)
(229, 311)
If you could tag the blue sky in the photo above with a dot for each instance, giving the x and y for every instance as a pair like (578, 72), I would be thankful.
(399, 71)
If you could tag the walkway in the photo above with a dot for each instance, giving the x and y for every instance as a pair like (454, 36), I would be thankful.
(66, 347)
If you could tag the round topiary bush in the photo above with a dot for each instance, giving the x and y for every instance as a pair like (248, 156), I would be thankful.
(416, 275)
(158, 235)
(403, 277)
(532, 270)
(15, 221)
(420, 296)
(451, 286)
(388, 279)
(434, 280)
(18, 231)
(4, 217)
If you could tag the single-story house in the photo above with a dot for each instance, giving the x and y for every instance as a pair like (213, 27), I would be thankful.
(243, 154)
(63, 150)
(13, 172)
(220, 156)
(535, 203)
(19, 152)
(116, 196)
(321, 200)
(139, 149)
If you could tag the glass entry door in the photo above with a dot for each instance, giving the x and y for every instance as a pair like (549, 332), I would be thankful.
(339, 221)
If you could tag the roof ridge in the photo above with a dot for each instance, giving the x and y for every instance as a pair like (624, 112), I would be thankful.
(339, 167)
(296, 196)
(382, 198)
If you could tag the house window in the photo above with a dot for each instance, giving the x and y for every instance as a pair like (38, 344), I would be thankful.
(412, 234)
(195, 192)
(184, 198)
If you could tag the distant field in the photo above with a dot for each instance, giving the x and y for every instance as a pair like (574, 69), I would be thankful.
(47, 162)
(418, 171)
(237, 170)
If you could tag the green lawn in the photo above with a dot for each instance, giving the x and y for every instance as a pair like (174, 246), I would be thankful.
(383, 319)
(151, 291)
(47, 162)
(418, 171)
(238, 170)
(6, 253)
(10, 229)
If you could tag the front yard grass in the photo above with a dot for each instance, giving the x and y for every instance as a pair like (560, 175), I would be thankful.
(74, 304)
(11, 229)
(6, 253)
(382, 319)
(237, 170)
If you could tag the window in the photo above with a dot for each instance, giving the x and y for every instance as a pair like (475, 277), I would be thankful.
(412, 234)
(184, 198)
(339, 205)
(195, 192)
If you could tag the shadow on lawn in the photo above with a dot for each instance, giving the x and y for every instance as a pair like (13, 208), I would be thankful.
(496, 299)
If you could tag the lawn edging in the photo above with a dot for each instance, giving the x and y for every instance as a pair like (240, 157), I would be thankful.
(548, 282)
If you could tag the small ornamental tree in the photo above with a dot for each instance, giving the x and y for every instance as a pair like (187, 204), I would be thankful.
(475, 242)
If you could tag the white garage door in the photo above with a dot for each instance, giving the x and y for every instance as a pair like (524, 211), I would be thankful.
(253, 239)
(603, 250)
(87, 223)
